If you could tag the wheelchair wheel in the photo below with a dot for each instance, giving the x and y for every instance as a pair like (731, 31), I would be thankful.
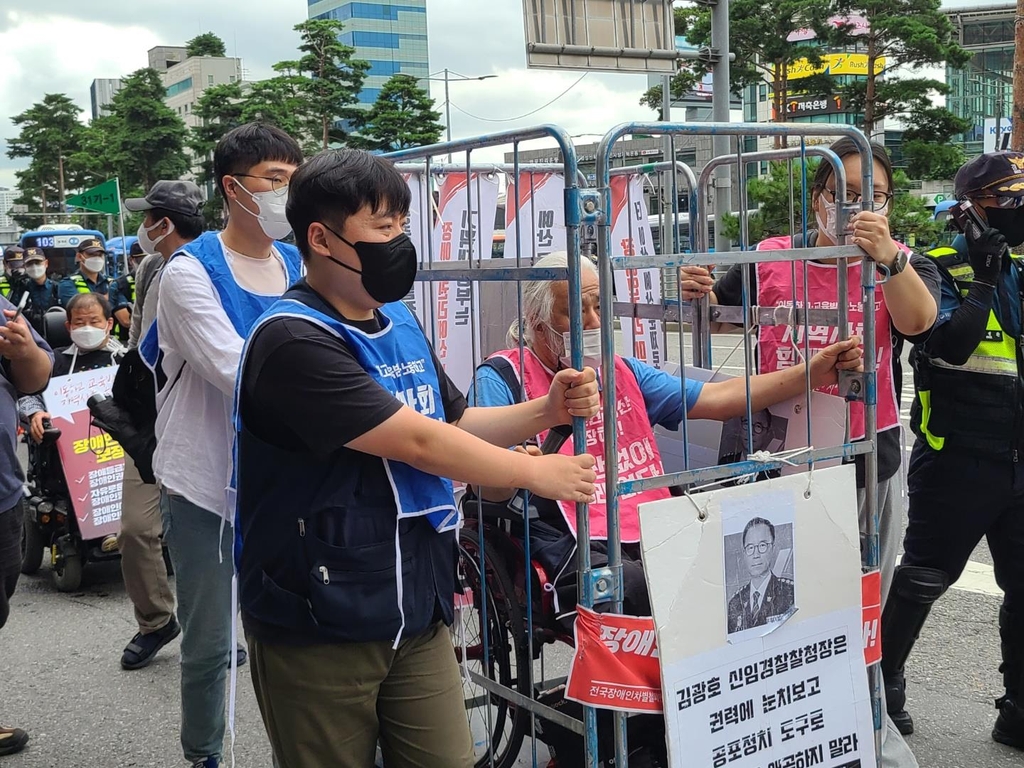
(32, 545)
(497, 725)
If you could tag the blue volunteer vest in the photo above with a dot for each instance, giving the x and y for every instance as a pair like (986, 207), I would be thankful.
(242, 307)
(352, 593)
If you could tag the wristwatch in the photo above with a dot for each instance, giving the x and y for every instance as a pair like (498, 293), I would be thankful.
(900, 263)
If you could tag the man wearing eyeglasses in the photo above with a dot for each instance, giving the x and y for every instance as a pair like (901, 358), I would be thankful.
(966, 477)
(766, 598)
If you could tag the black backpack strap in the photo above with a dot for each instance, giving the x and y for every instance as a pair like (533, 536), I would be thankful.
(508, 374)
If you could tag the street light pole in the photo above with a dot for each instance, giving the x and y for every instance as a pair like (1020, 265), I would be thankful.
(1017, 136)
(447, 112)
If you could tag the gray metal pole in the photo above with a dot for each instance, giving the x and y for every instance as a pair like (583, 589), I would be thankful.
(447, 112)
(720, 146)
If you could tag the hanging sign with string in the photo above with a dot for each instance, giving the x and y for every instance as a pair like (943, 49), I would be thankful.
(92, 460)
(756, 593)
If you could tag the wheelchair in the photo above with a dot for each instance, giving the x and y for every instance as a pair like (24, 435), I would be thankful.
(492, 642)
(50, 524)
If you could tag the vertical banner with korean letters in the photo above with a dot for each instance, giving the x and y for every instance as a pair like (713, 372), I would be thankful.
(417, 227)
(631, 236)
(465, 226)
(92, 460)
(535, 208)
(756, 592)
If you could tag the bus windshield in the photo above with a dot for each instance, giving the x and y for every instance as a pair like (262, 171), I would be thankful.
(60, 246)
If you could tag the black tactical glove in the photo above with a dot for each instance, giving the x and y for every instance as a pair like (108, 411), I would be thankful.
(986, 254)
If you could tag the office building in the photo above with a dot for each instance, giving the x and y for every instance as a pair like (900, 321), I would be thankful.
(187, 78)
(391, 36)
(8, 226)
(982, 91)
(102, 93)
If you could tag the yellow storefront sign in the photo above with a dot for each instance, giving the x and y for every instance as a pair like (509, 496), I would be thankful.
(835, 64)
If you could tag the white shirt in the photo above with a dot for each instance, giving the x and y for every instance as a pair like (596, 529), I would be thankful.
(193, 425)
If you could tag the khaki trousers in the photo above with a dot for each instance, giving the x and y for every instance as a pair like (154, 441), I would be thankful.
(142, 557)
(326, 706)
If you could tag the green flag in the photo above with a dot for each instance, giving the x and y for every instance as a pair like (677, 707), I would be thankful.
(102, 198)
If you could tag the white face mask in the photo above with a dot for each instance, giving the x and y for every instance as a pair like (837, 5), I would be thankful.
(591, 349)
(95, 264)
(87, 338)
(828, 226)
(149, 245)
(35, 271)
(270, 212)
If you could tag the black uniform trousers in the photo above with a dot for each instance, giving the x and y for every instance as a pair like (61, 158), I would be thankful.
(956, 498)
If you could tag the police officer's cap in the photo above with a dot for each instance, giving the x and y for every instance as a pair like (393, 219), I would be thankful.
(182, 197)
(992, 174)
(90, 244)
(136, 249)
(34, 254)
(14, 253)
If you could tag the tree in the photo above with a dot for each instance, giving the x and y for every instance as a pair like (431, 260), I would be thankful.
(49, 133)
(335, 79)
(206, 44)
(910, 221)
(403, 116)
(281, 101)
(927, 143)
(772, 195)
(759, 35)
(906, 33)
(219, 110)
(141, 141)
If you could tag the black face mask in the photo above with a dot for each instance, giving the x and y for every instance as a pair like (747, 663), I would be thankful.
(1009, 221)
(388, 269)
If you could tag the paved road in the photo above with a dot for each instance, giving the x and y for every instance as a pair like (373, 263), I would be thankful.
(60, 678)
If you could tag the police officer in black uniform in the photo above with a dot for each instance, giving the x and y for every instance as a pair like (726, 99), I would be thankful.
(14, 270)
(967, 467)
(42, 291)
(126, 293)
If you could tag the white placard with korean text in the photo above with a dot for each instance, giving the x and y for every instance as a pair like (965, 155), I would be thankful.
(797, 696)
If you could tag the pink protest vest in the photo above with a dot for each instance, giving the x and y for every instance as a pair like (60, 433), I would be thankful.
(638, 451)
(778, 349)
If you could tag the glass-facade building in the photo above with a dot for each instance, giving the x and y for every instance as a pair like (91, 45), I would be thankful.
(983, 89)
(392, 36)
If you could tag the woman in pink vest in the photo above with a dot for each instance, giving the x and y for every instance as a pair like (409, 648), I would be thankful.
(906, 306)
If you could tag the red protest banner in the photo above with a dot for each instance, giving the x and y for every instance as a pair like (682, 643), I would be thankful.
(616, 664)
(93, 468)
(871, 600)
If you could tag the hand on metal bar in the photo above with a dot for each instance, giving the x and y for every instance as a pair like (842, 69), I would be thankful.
(827, 364)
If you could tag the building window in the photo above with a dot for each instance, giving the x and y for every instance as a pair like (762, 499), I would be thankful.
(179, 87)
(209, 79)
(232, 78)
(186, 109)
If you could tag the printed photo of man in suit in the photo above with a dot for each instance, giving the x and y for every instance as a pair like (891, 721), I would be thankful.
(765, 598)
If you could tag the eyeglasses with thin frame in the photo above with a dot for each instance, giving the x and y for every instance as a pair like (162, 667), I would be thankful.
(1003, 201)
(761, 547)
(278, 184)
(879, 201)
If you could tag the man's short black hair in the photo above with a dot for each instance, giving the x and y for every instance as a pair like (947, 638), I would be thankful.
(249, 145)
(758, 521)
(334, 184)
(189, 227)
(89, 300)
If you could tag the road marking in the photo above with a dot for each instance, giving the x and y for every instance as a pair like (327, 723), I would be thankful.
(978, 578)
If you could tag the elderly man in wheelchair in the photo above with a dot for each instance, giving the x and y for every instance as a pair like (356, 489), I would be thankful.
(645, 396)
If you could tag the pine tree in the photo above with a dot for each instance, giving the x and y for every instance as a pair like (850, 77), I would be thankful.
(334, 79)
(403, 116)
(206, 44)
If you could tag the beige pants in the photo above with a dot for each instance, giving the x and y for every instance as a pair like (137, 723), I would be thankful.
(142, 559)
(326, 706)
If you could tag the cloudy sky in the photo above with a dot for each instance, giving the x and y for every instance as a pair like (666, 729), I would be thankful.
(59, 46)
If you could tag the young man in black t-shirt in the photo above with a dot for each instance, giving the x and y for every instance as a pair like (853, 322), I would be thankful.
(347, 425)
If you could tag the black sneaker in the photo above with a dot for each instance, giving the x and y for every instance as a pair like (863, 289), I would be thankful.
(1009, 728)
(143, 648)
(12, 740)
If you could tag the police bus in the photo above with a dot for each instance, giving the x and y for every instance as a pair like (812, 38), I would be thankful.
(60, 244)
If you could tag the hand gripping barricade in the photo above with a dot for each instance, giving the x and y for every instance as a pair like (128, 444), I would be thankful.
(505, 615)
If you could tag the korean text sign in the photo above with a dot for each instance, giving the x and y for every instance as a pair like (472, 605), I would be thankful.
(93, 461)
